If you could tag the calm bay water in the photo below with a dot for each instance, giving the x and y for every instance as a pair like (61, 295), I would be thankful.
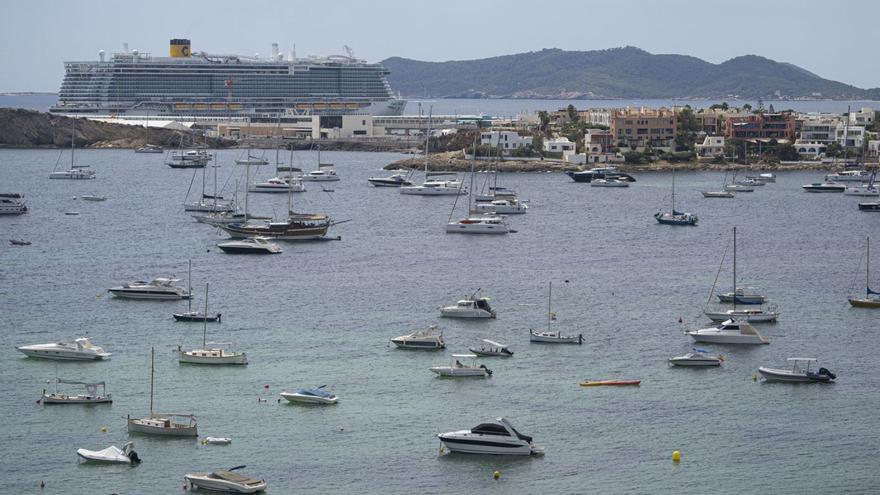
(322, 313)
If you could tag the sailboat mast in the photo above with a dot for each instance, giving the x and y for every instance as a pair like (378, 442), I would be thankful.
(247, 188)
(549, 298)
(205, 329)
(427, 140)
(152, 373)
(473, 163)
(72, 140)
(673, 190)
(189, 282)
(734, 268)
(868, 269)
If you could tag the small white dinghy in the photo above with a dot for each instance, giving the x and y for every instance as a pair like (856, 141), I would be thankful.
(225, 481)
(217, 441)
(459, 369)
(315, 395)
(699, 357)
(111, 455)
(495, 349)
(799, 373)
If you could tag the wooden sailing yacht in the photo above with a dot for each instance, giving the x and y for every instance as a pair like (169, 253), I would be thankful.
(163, 424)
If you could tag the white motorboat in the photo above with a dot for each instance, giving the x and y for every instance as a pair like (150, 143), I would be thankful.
(91, 395)
(503, 206)
(484, 224)
(396, 180)
(278, 185)
(609, 183)
(160, 288)
(93, 197)
(435, 188)
(750, 182)
(866, 190)
(470, 307)
(555, 337)
(325, 174)
(743, 295)
(111, 455)
(459, 369)
(149, 148)
(162, 424)
(81, 349)
(498, 437)
(738, 188)
(217, 441)
(12, 204)
(758, 315)
(729, 332)
(824, 187)
(718, 194)
(767, 177)
(250, 245)
(210, 355)
(699, 357)
(798, 373)
(422, 339)
(598, 173)
(74, 174)
(848, 176)
(315, 395)
(494, 349)
(225, 481)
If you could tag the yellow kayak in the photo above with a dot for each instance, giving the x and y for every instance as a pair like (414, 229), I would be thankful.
(609, 383)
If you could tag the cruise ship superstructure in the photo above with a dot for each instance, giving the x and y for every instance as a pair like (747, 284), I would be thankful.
(201, 85)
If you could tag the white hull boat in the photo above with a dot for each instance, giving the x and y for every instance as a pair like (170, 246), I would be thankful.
(225, 481)
(323, 175)
(697, 358)
(458, 369)
(12, 204)
(497, 438)
(738, 188)
(502, 207)
(751, 315)
(729, 332)
(848, 176)
(315, 395)
(396, 180)
(277, 185)
(74, 174)
(494, 350)
(491, 225)
(863, 190)
(433, 189)
(798, 373)
(609, 183)
(212, 356)
(470, 307)
(555, 338)
(167, 425)
(718, 194)
(158, 289)
(111, 455)
(422, 340)
(81, 349)
(250, 245)
(91, 395)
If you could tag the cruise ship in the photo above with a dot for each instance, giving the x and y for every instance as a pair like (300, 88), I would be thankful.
(200, 85)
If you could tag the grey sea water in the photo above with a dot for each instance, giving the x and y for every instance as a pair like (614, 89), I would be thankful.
(323, 312)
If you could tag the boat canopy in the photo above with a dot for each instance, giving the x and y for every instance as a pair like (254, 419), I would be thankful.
(71, 382)
(490, 429)
(465, 356)
(492, 342)
(802, 359)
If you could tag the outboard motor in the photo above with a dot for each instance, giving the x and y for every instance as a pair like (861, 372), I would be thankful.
(826, 371)
(133, 457)
(488, 371)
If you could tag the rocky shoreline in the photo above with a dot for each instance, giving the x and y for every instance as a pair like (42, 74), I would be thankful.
(455, 162)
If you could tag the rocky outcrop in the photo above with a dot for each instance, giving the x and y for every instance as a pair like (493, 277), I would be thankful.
(29, 129)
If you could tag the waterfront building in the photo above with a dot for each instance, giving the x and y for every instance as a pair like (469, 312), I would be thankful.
(596, 116)
(765, 126)
(642, 127)
(710, 147)
(850, 136)
(818, 128)
(198, 85)
(810, 150)
(505, 140)
(865, 117)
(559, 145)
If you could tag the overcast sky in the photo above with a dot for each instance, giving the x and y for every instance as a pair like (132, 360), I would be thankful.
(832, 39)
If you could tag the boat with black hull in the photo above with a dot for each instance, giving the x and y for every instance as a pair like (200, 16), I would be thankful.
(298, 227)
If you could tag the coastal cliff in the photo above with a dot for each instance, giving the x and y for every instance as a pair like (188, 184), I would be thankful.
(29, 129)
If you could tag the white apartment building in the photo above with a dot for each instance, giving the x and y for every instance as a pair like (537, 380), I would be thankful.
(852, 136)
(711, 146)
(811, 150)
(560, 145)
(864, 117)
(505, 140)
(819, 128)
(597, 116)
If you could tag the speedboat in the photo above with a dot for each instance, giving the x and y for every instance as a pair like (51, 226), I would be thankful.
(875, 206)
(160, 288)
(459, 369)
(78, 173)
(742, 295)
(862, 190)
(718, 194)
(91, 395)
(435, 188)
(676, 218)
(485, 224)
(498, 437)
(729, 332)
(494, 350)
(738, 188)
(848, 176)
(751, 182)
(213, 355)
(165, 424)
(278, 185)
(745, 314)
(799, 373)
(555, 338)
(250, 245)
(315, 395)
(396, 180)
(599, 173)
(609, 183)
(12, 204)
(81, 349)
(325, 174)
(196, 316)
(470, 307)
(111, 455)
(609, 383)
(225, 481)
(824, 187)
(699, 357)
(502, 206)
(422, 339)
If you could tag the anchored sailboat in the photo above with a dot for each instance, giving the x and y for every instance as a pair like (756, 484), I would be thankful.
(872, 298)
(676, 217)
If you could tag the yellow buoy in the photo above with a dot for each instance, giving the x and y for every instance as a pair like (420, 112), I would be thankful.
(496, 474)
(754, 377)
(676, 456)
(103, 429)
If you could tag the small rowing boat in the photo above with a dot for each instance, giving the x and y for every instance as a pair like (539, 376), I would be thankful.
(609, 383)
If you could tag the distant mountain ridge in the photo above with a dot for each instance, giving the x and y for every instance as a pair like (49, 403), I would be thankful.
(627, 72)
